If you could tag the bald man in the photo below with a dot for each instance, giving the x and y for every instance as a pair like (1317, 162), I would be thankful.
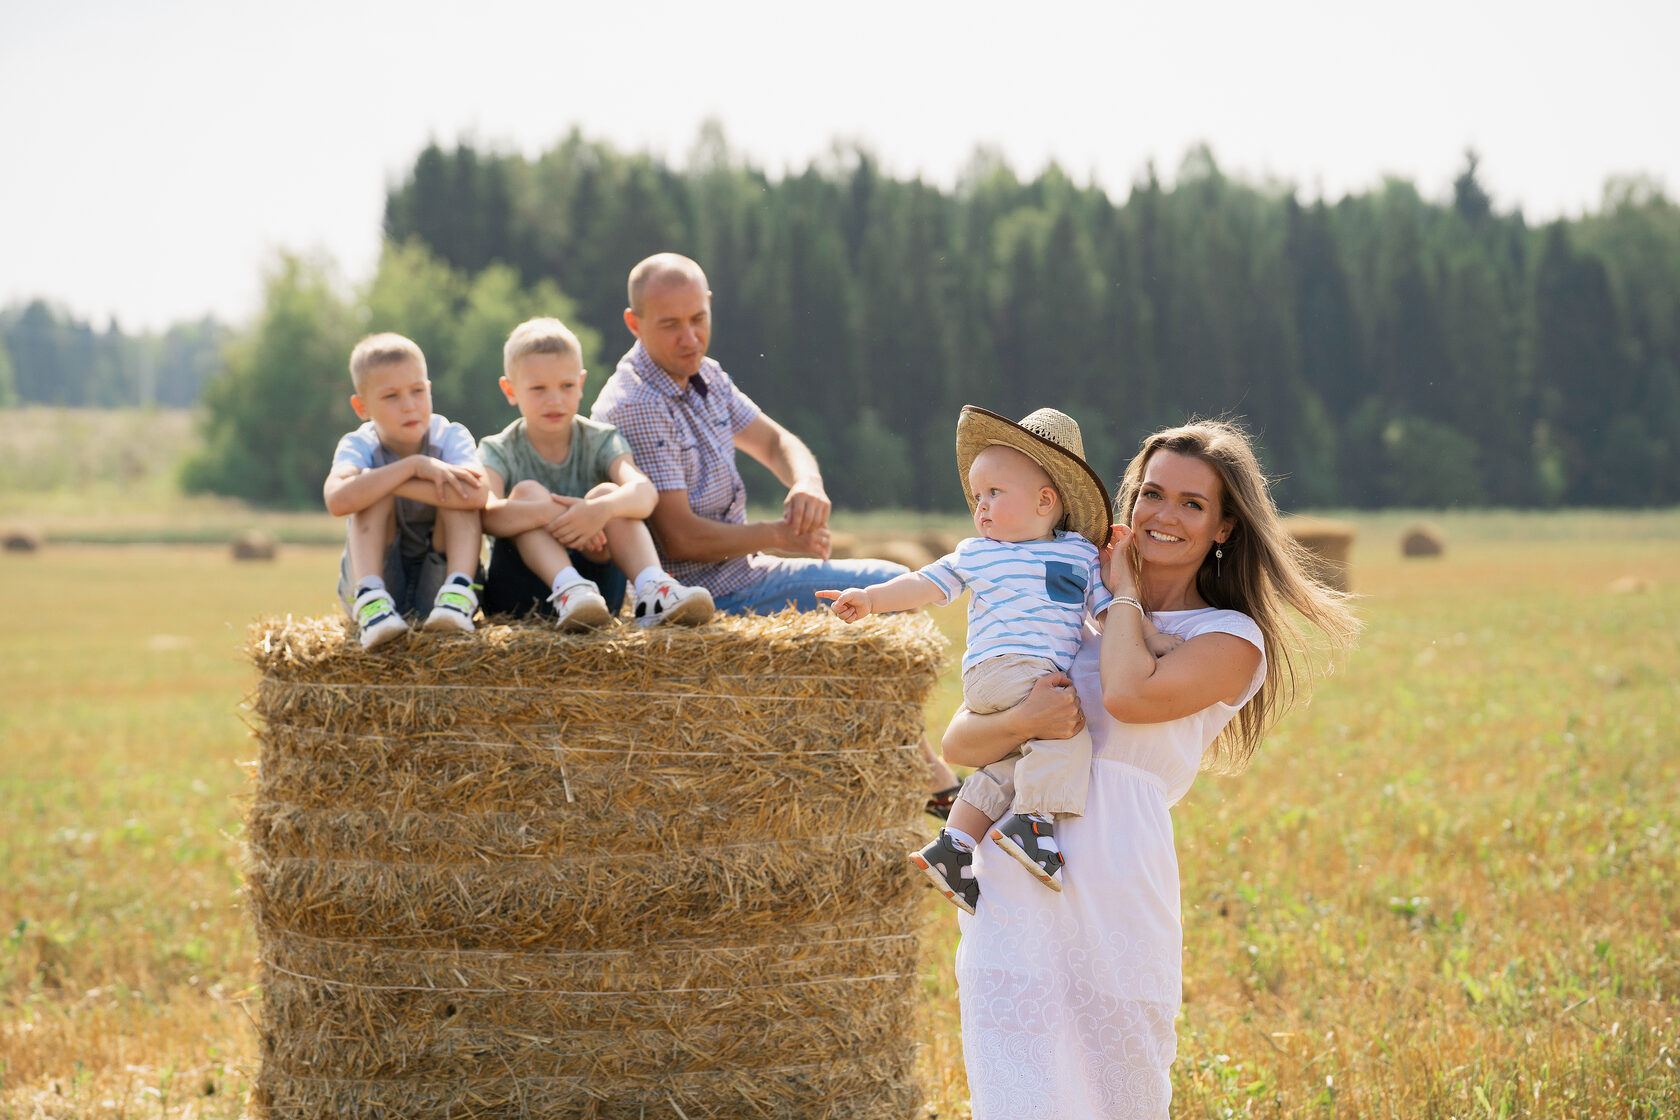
(685, 419)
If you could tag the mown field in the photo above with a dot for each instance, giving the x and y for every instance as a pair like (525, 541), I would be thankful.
(1447, 888)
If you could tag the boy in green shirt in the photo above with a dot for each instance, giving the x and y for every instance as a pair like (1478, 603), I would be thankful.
(568, 502)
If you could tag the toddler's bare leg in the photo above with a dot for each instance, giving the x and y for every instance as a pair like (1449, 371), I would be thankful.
(371, 531)
(969, 818)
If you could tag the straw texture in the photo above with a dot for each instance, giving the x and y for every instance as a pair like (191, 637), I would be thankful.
(519, 873)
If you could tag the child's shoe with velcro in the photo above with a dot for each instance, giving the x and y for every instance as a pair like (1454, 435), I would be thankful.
(670, 602)
(1023, 837)
(453, 610)
(950, 869)
(377, 618)
(579, 606)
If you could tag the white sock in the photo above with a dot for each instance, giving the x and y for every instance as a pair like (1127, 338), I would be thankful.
(963, 841)
(649, 576)
(370, 583)
(459, 577)
(568, 574)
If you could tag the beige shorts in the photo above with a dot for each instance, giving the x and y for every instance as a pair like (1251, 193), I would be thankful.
(1045, 775)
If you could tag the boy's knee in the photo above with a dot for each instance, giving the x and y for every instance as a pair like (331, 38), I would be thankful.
(602, 489)
(380, 515)
(528, 490)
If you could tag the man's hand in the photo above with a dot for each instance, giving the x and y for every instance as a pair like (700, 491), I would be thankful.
(851, 606)
(578, 525)
(806, 507)
(814, 543)
(446, 476)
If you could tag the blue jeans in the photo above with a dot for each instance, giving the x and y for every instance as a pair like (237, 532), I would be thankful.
(787, 581)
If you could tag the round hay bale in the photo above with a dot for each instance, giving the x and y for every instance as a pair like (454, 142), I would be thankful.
(255, 544)
(1326, 544)
(938, 542)
(1422, 539)
(17, 538)
(842, 546)
(523, 873)
(909, 553)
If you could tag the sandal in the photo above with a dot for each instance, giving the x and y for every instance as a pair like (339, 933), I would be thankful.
(939, 804)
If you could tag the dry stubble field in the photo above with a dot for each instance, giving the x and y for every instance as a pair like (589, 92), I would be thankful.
(1447, 888)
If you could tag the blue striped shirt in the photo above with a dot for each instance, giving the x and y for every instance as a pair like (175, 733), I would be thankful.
(1027, 597)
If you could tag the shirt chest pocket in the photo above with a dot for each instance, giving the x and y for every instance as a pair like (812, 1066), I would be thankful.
(1063, 582)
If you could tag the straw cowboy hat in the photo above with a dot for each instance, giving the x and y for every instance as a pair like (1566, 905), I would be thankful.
(1050, 439)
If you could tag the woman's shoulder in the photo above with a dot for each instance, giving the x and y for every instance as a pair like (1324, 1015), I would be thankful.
(1210, 620)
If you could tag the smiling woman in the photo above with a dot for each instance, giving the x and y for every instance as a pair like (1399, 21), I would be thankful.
(1069, 1000)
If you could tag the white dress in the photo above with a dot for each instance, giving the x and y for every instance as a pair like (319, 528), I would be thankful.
(1068, 999)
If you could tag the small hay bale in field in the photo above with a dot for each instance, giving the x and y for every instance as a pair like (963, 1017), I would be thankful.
(842, 546)
(938, 542)
(1423, 539)
(1629, 585)
(520, 873)
(1327, 544)
(254, 544)
(909, 553)
(17, 538)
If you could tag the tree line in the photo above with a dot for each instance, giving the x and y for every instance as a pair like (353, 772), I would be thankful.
(49, 356)
(1385, 348)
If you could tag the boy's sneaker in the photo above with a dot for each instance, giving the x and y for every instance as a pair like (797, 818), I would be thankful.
(377, 618)
(456, 603)
(951, 870)
(579, 606)
(1020, 836)
(670, 602)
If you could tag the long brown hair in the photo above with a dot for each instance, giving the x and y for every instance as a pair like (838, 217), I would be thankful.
(1264, 572)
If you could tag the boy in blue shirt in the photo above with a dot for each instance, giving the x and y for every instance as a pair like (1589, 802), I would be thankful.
(410, 485)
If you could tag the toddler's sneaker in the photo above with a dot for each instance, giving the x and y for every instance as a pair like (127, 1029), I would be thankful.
(579, 606)
(951, 870)
(669, 601)
(456, 603)
(377, 618)
(1022, 837)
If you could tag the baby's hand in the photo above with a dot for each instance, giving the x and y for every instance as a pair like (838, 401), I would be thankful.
(849, 605)
(1161, 644)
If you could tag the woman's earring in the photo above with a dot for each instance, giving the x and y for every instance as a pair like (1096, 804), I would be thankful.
(1218, 555)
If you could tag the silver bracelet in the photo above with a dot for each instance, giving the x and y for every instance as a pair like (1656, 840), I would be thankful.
(1133, 602)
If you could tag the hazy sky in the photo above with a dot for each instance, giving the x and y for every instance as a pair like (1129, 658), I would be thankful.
(156, 155)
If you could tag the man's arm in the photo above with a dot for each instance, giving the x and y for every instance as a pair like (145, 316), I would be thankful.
(685, 535)
(785, 455)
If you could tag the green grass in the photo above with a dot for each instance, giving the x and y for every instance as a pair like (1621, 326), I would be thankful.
(1446, 888)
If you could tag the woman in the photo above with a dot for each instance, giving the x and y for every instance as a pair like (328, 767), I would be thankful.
(1068, 1000)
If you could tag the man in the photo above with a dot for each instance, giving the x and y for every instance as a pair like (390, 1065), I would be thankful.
(685, 420)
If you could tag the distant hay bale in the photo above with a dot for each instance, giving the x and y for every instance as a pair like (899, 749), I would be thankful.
(842, 546)
(1327, 544)
(18, 538)
(938, 542)
(523, 873)
(1629, 585)
(1423, 539)
(909, 553)
(254, 544)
